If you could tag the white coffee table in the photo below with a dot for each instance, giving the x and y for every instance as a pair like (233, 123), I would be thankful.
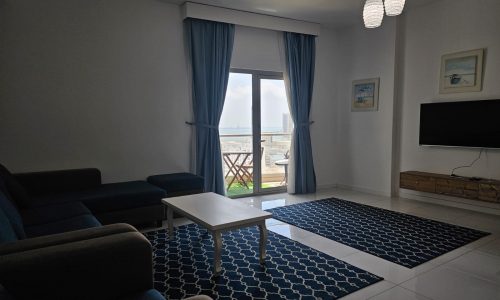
(217, 214)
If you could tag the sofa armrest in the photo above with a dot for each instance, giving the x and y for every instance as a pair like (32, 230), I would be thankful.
(101, 267)
(61, 181)
(64, 238)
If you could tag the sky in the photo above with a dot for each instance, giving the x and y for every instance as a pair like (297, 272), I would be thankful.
(237, 111)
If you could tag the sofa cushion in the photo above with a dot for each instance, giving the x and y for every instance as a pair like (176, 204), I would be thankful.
(75, 223)
(16, 191)
(12, 214)
(59, 181)
(177, 182)
(56, 199)
(7, 233)
(123, 195)
(53, 213)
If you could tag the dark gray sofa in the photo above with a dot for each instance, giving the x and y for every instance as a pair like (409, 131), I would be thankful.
(80, 192)
(108, 262)
(57, 249)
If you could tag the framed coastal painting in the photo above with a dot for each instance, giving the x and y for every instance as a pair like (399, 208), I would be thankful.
(461, 72)
(365, 94)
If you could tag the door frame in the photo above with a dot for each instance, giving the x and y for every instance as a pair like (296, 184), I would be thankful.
(257, 75)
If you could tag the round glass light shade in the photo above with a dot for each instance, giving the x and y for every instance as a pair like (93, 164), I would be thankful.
(394, 7)
(373, 13)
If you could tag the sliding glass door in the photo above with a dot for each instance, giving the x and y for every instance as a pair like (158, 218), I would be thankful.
(255, 133)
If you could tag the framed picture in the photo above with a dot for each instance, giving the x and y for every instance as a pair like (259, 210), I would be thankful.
(365, 94)
(461, 72)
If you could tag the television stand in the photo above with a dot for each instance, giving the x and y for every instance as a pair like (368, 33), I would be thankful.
(458, 186)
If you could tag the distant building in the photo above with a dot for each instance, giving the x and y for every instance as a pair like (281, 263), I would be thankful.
(287, 123)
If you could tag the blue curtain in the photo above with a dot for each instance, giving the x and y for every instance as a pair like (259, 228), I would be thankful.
(210, 47)
(300, 52)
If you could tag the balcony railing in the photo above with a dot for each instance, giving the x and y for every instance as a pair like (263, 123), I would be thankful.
(275, 147)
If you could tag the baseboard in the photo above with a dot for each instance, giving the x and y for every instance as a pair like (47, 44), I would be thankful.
(474, 205)
(363, 190)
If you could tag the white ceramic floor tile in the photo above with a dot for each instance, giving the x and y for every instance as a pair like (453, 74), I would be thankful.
(480, 221)
(492, 247)
(445, 283)
(323, 194)
(273, 203)
(485, 266)
(355, 197)
(399, 205)
(390, 271)
(482, 241)
(328, 246)
(399, 293)
(439, 212)
(272, 222)
(449, 256)
(180, 222)
(290, 231)
(370, 291)
(266, 202)
(469, 272)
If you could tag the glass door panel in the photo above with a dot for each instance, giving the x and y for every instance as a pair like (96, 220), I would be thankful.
(276, 128)
(236, 135)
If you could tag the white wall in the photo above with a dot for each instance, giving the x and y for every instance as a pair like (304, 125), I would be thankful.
(259, 49)
(433, 30)
(406, 55)
(93, 84)
(105, 84)
(364, 139)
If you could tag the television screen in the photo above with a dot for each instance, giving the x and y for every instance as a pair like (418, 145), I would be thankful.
(461, 124)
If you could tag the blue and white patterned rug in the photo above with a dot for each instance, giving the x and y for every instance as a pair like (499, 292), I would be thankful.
(183, 267)
(400, 238)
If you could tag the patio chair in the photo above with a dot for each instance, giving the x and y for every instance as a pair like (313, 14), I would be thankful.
(247, 170)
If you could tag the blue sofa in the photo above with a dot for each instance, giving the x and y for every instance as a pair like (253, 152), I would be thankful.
(76, 195)
(53, 246)
(106, 262)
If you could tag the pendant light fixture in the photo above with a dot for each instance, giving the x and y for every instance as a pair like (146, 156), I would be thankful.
(394, 7)
(373, 13)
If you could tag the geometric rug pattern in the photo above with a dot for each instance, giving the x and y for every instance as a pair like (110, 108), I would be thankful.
(397, 237)
(183, 267)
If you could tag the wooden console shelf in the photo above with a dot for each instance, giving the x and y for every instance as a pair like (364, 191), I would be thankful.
(465, 187)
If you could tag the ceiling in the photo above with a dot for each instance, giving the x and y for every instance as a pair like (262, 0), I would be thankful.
(329, 13)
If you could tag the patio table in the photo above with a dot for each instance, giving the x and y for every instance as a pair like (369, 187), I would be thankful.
(284, 163)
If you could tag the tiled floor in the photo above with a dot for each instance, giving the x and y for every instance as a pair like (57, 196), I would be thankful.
(470, 272)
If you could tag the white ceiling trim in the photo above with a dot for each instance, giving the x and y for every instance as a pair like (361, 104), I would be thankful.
(238, 17)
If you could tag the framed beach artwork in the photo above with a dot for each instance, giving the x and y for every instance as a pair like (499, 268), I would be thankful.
(461, 72)
(365, 94)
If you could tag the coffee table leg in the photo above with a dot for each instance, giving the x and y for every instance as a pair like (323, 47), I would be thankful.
(170, 222)
(217, 252)
(263, 241)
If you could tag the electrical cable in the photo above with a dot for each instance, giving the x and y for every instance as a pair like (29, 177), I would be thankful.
(468, 166)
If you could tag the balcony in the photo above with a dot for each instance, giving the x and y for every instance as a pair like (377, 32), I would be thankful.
(238, 149)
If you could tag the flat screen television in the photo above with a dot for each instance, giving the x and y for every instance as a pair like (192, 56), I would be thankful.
(474, 124)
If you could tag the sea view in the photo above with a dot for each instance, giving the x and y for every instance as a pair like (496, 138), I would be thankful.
(248, 130)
